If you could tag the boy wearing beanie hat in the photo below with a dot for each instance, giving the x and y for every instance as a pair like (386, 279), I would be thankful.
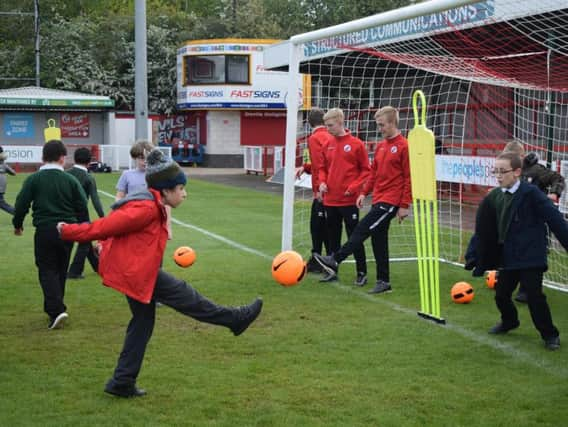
(133, 239)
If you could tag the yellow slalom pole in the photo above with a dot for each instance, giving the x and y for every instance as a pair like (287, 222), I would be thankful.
(417, 235)
(436, 304)
(421, 149)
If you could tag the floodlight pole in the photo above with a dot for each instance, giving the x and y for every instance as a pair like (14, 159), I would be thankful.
(37, 40)
(140, 73)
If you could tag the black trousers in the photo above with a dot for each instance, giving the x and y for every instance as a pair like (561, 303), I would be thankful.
(318, 229)
(531, 280)
(176, 294)
(5, 206)
(52, 259)
(84, 251)
(375, 224)
(335, 217)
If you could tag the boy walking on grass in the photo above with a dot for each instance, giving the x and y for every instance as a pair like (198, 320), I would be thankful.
(133, 239)
(512, 238)
(54, 196)
(85, 250)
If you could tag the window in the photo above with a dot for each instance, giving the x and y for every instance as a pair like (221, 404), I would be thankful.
(216, 69)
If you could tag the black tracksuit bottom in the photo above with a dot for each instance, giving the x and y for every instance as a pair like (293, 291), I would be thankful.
(375, 224)
(335, 217)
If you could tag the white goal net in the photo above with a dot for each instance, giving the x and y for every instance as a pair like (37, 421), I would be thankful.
(492, 72)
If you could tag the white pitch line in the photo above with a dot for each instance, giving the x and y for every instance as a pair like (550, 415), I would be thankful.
(508, 349)
(212, 235)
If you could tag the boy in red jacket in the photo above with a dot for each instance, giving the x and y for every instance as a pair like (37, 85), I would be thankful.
(345, 168)
(389, 182)
(133, 239)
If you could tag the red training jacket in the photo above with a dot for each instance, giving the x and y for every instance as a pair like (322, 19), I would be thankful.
(317, 142)
(133, 239)
(389, 179)
(345, 167)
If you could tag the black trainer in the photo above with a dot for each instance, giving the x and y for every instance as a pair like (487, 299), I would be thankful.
(329, 278)
(522, 297)
(381, 287)
(245, 315)
(328, 263)
(361, 279)
(313, 266)
(130, 391)
(58, 321)
(552, 343)
(500, 328)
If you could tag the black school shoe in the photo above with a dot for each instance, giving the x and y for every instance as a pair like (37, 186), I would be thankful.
(245, 315)
(552, 343)
(129, 391)
(500, 328)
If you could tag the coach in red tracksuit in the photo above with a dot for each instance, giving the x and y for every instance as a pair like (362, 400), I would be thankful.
(345, 168)
(389, 181)
(317, 142)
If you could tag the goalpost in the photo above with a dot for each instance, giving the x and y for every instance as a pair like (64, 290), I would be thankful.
(492, 72)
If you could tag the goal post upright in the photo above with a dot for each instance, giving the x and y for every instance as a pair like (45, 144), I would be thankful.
(290, 151)
(295, 52)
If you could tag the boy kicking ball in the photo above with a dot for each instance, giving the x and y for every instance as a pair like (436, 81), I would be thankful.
(133, 239)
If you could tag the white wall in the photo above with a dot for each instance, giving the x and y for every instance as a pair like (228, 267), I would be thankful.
(125, 130)
(224, 132)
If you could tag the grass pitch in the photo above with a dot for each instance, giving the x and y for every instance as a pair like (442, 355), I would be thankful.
(319, 355)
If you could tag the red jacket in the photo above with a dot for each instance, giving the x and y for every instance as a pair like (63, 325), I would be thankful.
(390, 173)
(133, 239)
(317, 142)
(345, 168)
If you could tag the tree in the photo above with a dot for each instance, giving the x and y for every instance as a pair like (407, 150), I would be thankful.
(88, 46)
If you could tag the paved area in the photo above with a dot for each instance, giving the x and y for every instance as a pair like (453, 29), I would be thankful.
(236, 177)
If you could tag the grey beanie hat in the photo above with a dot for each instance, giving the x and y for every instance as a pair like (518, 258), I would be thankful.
(162, 172)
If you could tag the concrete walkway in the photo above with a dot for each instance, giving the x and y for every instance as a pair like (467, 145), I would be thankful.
(236, 177)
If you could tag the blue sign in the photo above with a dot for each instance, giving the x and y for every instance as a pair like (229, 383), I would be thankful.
(19, 126)
(416, 26)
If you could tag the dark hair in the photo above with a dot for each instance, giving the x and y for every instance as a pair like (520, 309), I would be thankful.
(315, 117)
(53, 150)
(514, 159)
(82, 156)
(1, 149)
